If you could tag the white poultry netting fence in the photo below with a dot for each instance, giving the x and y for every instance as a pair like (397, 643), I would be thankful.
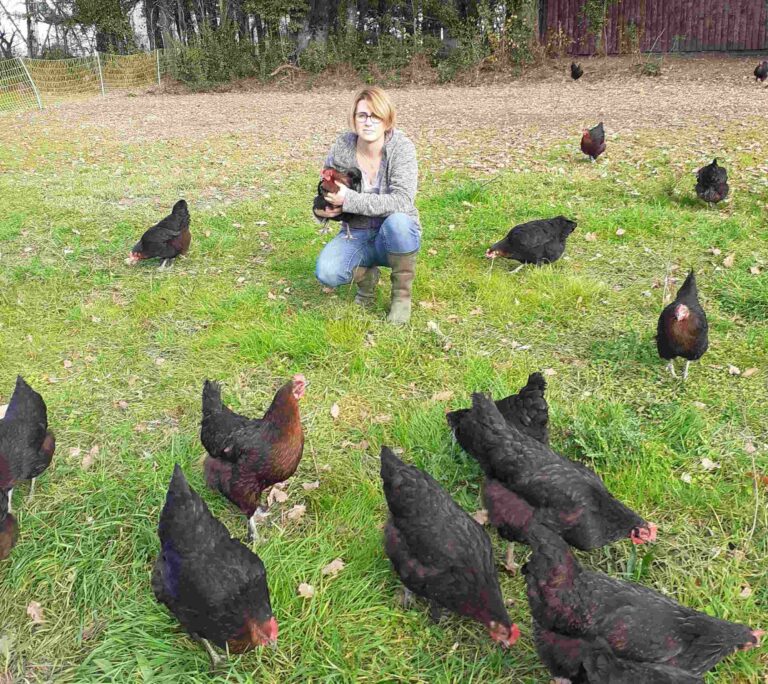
(36, 83)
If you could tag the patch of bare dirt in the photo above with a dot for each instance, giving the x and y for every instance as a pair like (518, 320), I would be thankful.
(484, 127)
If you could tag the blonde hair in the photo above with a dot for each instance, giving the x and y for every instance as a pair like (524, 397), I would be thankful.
(380, 103)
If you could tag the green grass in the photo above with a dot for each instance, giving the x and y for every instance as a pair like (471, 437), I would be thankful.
(88, 539)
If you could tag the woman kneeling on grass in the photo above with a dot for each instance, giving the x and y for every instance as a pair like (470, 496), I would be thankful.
(384, 229)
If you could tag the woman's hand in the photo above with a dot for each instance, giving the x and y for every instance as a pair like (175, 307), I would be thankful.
(336, 198)
(328, 213)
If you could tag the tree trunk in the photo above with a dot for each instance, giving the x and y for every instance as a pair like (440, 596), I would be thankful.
(31, 38)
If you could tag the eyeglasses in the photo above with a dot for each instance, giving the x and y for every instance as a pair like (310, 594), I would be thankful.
(360, 117)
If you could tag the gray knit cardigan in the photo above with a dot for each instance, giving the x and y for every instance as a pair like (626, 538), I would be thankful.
(398, 184)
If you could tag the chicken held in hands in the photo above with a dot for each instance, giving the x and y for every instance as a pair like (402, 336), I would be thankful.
(214, 584)
(536, 242)
(9, 529)
(329, 182)
(247, 456)
(574, 608)
(165, 240)
(576, 71)
(527, 410)
(712, 183)
(593, 141)
(439, 552)
(528, 481)
(682, 329)
(26, 444)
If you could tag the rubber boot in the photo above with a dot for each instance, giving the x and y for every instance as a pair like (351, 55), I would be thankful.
(403, 272)
(366, 278)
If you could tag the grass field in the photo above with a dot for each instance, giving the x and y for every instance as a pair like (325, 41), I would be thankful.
(120, 355)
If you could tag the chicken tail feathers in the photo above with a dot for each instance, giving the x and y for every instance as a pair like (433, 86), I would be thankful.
(211, 397)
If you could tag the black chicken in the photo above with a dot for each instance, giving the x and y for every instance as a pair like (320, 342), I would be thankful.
(329, 182)
(761, 71)
(682, 328)
(439, 552)
(574, 609)
(528, 481)
(536, 242)
(166, 240)
(527, 410)
(26, 444)
(214, 585)
(712, 183)
(9, 529)
(576, 71)
(593, 141)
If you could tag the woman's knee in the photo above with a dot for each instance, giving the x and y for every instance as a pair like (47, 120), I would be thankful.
(331, 274)
(401, 234)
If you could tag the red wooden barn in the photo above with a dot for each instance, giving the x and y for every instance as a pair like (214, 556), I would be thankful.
(659, 25)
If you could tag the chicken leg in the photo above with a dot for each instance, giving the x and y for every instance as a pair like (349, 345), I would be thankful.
(671, 368)
(407, 598)
(685, 370)
(258, 515)
(217, 661)
(509, 560)
(10, 494)
(32, 489)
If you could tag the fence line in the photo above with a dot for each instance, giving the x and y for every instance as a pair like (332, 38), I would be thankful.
(36, 83)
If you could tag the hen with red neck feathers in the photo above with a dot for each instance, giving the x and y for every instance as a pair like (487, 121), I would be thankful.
(248, 455)
(682, 329)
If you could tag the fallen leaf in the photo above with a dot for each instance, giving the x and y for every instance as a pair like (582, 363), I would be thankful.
(309, 486)
(306, 590)
(427, 305)
(590, 237)
(74, 452)
(733, 370)
(68, 363)
(729, 260)
(746, 591)
(715, 251)
(276, 495)
(442, 396)
(754, 270)
(271, 295)
(241, 279)
(749, 372)
(297, 512)
(432, 252)
(327, 290)
(549, 371)
(383, 418)
(481, 516)
(207, 233)
(686, 477)
(699, 404)
(35, 611)
(335, 410)
(333, 568)
(620, 231)
(709, 464)
(476, 312)
(159, 361)
(122, 404)
(750, 448)
(88, 459)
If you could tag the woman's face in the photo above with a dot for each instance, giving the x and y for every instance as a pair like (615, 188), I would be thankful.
(367, 127)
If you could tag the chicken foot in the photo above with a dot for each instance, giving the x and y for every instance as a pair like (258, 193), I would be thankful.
(685, 370)
(217, 661)
(32, 489)
(164, 262)
(435, 612)
(258, 516)
(513, 271)
(671, 368)
(407, 598)
(10, 493)
(509, 560)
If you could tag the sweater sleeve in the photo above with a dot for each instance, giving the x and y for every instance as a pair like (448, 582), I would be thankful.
(403, 180)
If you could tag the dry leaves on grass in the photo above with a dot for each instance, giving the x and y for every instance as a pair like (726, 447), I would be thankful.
(333, 568)
(90, 457)
(276, 494)
(35, 612)
(445, 395)
(729, 261)
(306, 590)
(335, 411)
(750, 372)
(481, 516)
(309, 486)
(297, 512)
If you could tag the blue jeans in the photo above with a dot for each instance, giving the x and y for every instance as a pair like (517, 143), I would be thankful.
(399, 234)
